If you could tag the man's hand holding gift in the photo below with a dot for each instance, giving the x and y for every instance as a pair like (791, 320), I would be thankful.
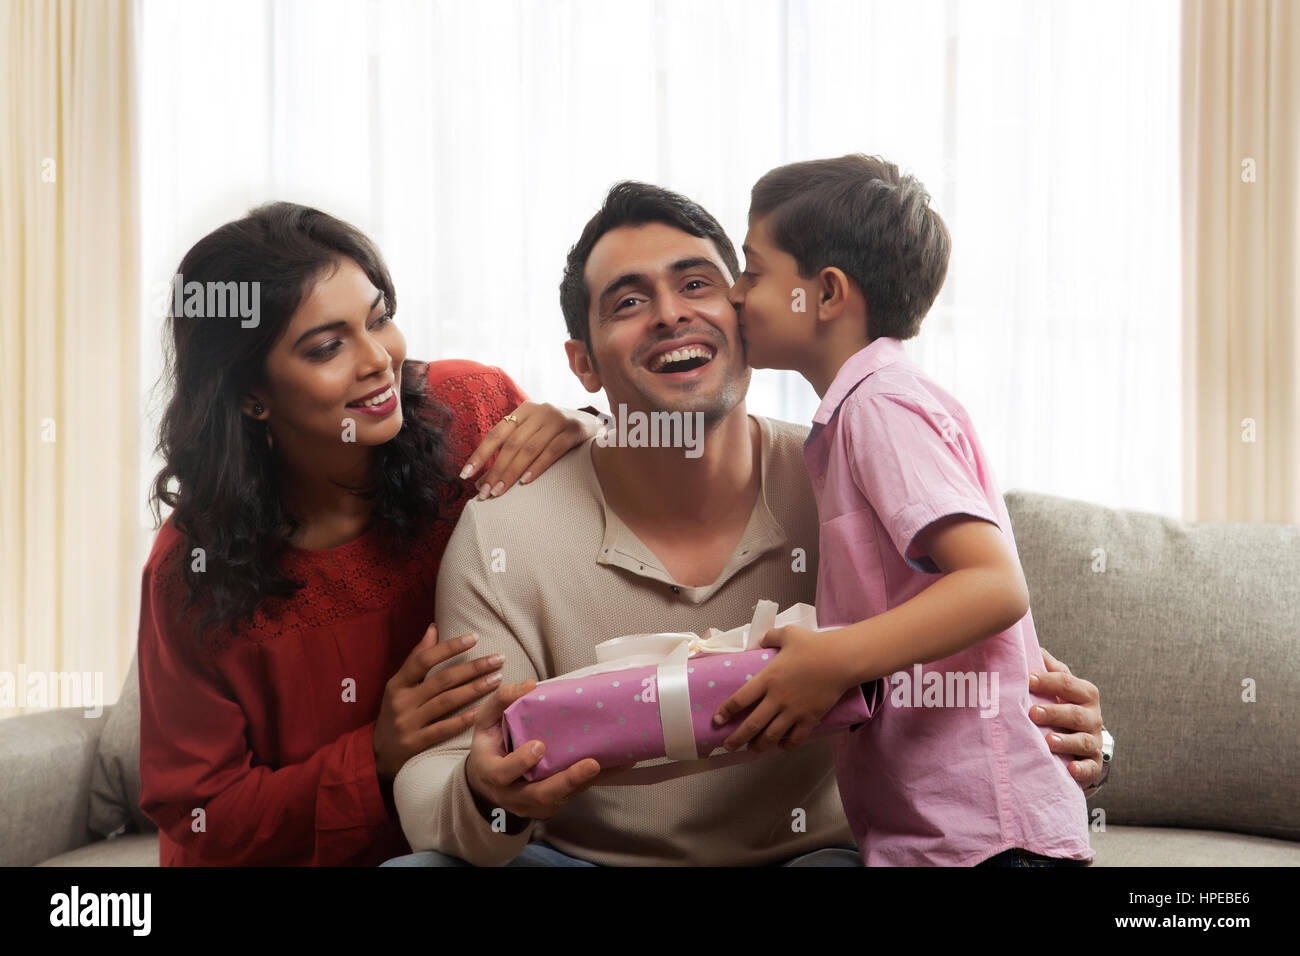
(496, 777)
(648, 702)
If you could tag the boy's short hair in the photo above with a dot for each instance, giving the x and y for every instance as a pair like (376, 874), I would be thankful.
(860, 214)
(631, 203)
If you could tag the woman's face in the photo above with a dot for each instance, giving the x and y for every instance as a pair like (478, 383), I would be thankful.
(335, 374)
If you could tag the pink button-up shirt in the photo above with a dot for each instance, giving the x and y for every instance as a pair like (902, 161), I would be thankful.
(951, 770)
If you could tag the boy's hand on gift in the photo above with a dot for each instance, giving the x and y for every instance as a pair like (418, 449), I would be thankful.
(495, 776)
(792, 693)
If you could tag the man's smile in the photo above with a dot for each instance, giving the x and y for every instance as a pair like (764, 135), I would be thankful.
(681, 359)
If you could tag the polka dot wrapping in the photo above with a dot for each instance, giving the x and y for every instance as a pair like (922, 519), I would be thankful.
(575, 722)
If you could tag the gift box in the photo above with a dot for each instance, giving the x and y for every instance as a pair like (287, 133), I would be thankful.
(650, 699)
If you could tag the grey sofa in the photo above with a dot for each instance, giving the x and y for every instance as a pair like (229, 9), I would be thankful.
(1191, 630)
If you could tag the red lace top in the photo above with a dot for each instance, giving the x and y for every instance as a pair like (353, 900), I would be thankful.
(259, 751)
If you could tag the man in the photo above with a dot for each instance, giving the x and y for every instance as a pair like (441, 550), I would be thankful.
(617, 540)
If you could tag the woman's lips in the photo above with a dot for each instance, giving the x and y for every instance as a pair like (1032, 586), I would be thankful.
(380, 405)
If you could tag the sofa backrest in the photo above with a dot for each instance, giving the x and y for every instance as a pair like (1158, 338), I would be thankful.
(115, 775)
(1191, 631)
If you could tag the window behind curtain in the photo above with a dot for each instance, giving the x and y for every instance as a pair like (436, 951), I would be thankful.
(473, 140)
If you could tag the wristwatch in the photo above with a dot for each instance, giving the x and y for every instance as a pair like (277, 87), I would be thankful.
(1107, 755)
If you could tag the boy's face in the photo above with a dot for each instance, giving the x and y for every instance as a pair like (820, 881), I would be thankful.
(777, 307)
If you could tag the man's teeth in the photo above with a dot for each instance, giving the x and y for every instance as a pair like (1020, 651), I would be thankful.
(379, 399)
(681, 355)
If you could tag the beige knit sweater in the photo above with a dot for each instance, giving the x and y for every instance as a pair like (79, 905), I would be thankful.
(545, 573)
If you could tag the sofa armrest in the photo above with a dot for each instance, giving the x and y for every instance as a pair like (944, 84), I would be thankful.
(45, 765)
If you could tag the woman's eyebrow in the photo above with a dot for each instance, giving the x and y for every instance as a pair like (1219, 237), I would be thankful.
(335, 324)
(320, 328)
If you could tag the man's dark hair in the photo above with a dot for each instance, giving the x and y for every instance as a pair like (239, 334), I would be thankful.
(860, 214)
(631, 203)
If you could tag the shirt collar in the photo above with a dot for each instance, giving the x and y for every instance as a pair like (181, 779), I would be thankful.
(881, 352)
(621, 548)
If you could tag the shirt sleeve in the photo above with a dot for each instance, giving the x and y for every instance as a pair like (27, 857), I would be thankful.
(915, 465)
(198, 781)
(435, 805)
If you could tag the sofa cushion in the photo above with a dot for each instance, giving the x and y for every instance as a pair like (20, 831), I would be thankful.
(1168, 846)
(46, 760)
(1177, 623)
(115, 775)
(133, 849)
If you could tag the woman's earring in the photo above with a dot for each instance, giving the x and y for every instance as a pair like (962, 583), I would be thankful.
(258, 408)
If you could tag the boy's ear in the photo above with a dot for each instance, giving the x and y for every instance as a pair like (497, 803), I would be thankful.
(835, 293)
(582, 365)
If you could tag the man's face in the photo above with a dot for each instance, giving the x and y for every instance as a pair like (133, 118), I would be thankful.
(776, 306)
(663, 335)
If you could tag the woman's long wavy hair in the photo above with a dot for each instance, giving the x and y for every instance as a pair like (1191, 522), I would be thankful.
(219, 475)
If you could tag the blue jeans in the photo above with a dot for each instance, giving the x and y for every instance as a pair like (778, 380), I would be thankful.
(543, 854)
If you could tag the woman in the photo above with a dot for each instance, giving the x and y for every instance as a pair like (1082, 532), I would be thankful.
(312, 473)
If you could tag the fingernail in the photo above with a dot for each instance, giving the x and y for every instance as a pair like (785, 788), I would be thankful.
(1033, 680)
(499, 487)
(717, 719)
(467, 470)
(493, 679)
(1036, 712)
(523, 479)
(496, 660)
(537, 749)
(1054, 738)
(468, 640)
(483, 491)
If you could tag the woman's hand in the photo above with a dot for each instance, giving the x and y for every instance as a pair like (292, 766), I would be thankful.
(529, 446)
(413, 714)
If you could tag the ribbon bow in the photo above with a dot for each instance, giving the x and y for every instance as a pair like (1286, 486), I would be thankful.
(669, 654)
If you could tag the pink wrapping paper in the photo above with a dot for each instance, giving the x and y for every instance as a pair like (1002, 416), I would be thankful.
(615, 717)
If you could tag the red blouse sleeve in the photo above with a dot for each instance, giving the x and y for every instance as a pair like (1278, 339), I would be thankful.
(478, 395)
(197, 779)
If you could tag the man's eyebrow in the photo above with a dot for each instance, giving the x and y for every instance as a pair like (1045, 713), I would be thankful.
(622, 282)
(640, 278)
(335, 324)
(695, 262)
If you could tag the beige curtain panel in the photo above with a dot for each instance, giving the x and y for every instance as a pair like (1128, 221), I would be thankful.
(69, 516)
(1241, 272)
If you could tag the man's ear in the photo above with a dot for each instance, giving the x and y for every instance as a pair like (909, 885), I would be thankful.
(834, 293)
(582, 366)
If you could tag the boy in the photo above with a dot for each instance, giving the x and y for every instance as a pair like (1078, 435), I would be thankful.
(844, 258)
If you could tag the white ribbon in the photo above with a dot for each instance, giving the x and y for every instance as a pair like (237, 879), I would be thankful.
(669, 654)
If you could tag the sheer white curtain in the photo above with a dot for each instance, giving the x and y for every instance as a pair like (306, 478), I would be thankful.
(473, 140)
